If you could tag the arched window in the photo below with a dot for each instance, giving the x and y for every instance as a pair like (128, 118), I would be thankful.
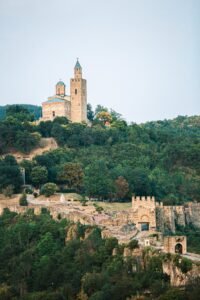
(76, 91)
(53, 113)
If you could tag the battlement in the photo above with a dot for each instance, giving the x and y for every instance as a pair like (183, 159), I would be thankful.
(143, 198)
(159, 204)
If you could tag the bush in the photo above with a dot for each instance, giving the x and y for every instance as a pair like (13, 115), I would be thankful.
(133, 244)
(184, 264)
(84, 201)
(28, 190)
(48, 189)
(98, 208)
(8, 191)
(23, 200)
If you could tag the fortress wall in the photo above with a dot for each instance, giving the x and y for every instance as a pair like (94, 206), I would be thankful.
(169, 218)
(180, 215)
(143, 201)
(192, 213)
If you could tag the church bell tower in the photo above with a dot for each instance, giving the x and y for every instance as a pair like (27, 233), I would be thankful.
(78, 91)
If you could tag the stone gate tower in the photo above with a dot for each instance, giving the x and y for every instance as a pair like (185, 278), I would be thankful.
(78, 92)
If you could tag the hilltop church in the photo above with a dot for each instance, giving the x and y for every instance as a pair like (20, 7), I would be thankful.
(73, 106)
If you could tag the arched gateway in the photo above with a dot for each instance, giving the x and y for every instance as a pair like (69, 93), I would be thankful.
(175, 244)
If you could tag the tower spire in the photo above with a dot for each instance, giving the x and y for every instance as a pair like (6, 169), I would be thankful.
(77, 65)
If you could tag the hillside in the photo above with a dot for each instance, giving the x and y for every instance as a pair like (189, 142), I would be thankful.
(44, 145)
(112, 162)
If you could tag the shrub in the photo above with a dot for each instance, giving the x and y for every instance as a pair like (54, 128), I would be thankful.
(84, 201)
(98, 208)
(8, 191)
(49, 189)
(133, 244)
(23, 200)
(183, 263)
(28, 190)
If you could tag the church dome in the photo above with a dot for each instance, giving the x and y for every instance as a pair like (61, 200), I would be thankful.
(60, 83)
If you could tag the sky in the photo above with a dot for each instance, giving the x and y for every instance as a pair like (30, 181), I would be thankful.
(140, 57)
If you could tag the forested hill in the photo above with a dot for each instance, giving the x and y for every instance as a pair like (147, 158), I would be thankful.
(36, 110)
(110, 159)
(181, 122)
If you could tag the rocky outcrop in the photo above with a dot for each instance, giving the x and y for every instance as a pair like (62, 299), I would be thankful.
(72, 233)
(177, 277)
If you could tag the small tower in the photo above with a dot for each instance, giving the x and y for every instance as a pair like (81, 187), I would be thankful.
(78, 91)
(60, 89)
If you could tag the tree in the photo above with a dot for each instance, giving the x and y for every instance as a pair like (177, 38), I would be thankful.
(115, 115)
(19, 112)
(45, 128)
(39, 175)
(97, 181)
(90, 113)
(104, 117)
(71, 174)
(26, 141)
(58, 132)
(61, 120)
(122, 187)
(10, 173)
(49, 189)
(100, 108)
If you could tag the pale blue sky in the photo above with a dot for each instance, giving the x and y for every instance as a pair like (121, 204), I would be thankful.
(140, 57)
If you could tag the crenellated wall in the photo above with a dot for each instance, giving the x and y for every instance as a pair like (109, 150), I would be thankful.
(144, 211)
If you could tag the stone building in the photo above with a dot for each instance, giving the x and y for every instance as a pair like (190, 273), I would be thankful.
(73, 106)
(175, 244)
(144, 212)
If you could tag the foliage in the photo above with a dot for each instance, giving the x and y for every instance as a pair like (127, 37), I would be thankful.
(104, 117)
(133, 244)
(122, 187)
(10, 175)
(39, 175)
(8, 190)
(183, 263)
(35, 110)
(71, 174)
(98, 208)
(48, 189)
(34, 245)
(156, 158)
(23, 200)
